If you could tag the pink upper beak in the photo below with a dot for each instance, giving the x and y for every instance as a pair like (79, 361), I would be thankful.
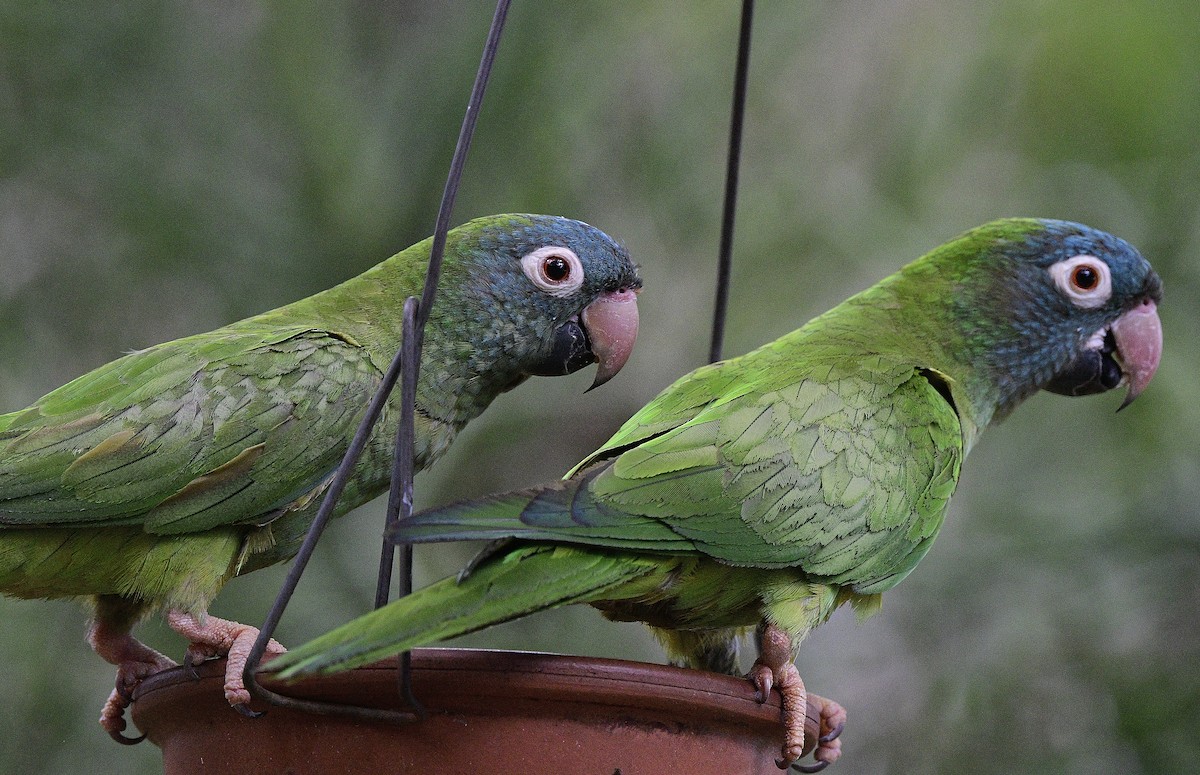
(1138, 336)
(611, 322)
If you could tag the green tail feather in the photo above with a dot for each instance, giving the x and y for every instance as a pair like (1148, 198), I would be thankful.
(529, 579)
(564, 511)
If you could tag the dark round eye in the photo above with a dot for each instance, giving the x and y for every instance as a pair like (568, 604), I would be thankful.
(556, 269)
(1085, 277)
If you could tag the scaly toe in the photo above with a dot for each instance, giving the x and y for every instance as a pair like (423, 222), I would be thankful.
(125, 692)
(762, 678)
(112, 717)
(790, 754)
(833, 723)
(237, 695)
(199, 653)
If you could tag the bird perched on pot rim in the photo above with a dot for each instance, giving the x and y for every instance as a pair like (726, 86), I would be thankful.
(148, 483)
(766, 490)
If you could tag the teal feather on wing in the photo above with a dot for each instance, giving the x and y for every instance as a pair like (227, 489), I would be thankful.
(817, 470)
(149, 482)
(767, 490)
(531, 579)
(818, 477)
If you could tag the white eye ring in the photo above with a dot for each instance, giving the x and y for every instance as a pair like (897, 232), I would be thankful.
(554, 269)
(1086, 289)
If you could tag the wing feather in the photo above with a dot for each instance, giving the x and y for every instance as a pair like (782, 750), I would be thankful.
(215, 429)
(842, 469)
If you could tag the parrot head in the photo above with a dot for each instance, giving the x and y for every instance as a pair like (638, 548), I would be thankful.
(551, 294)
(1065, 308)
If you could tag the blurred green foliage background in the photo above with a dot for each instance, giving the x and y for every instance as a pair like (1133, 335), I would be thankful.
(169, 166)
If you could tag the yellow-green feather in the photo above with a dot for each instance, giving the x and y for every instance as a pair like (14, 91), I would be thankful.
(159, 475)
(780, 484)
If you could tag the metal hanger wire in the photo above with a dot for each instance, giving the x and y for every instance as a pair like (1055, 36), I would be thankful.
(405, 369)
(406, 361)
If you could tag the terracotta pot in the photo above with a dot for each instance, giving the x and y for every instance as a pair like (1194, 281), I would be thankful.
(493, 712)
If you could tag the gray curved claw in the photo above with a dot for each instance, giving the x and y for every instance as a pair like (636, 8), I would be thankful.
(829, 737)
(123, 740)
(190, 666)
(245, 711)
(833, 734)
(125, 693)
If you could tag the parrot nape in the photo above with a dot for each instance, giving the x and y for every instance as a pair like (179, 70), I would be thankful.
(766, 490)
(148, 483)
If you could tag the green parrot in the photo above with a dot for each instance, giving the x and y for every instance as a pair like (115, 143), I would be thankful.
(147, 484)
(767, 490)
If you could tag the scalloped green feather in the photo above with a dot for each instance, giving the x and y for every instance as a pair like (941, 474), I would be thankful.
(814, 471)
(161, 474)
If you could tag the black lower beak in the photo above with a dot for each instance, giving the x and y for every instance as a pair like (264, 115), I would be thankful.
(1094, 371)
(1129, 353)
(569, 352)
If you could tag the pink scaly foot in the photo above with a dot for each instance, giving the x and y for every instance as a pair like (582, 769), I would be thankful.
(135, 661)
(829, 744)
(774, 669)
(795, 702)
(212, 637)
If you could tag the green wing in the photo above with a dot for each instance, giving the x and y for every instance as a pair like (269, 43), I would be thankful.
(228, 427)
(842, 467)
(706, 387)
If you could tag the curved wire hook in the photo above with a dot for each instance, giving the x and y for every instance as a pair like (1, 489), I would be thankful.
(407, 359)
(406, 364)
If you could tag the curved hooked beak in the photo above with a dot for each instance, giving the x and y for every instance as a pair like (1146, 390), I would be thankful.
(604, 333)
(1126, 352)
(1138, 338)
(611, 324)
